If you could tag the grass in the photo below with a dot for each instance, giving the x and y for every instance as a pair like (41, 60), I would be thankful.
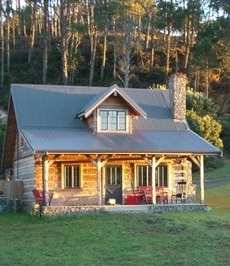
(219, 198)
(116, 239)
(222, 171)
(121, 239)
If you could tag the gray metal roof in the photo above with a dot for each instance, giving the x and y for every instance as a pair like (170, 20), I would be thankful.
(46, 115)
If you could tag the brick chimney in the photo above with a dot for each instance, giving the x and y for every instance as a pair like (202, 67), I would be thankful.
(177, 89)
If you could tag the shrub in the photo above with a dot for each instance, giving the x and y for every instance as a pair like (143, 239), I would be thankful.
(206, 126)
(201, 104)
(226, 133)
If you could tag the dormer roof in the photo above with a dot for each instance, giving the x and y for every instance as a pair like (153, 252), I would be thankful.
(101, 97)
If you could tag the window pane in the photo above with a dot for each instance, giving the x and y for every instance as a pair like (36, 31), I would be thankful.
(112, 120)
(121, 121)
(113, 175)
(162, 176)
(104, 120)
(142, 175)
(76, 176)
(150, 176)
(72, 176)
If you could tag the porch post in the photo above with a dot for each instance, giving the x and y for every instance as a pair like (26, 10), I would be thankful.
(153, 180)
(45, 179)
(99, 168)
(202, 178)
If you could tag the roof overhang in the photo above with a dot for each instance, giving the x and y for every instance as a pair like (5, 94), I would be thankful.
(114, 90)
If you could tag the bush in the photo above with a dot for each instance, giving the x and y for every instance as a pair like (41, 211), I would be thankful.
(214, 162)
(226, 133)
(201, 104)
(206, 126)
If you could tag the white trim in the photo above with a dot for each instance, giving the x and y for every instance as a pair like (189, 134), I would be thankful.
(117, 109)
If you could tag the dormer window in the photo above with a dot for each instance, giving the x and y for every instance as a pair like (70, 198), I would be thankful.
(112, 120)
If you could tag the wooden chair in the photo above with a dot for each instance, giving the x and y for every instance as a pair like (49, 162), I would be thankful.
(162, 196)
(147, 193)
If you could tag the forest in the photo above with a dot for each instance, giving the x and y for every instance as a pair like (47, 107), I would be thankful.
(134, 43)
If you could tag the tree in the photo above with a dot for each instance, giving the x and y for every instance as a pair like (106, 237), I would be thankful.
(45, 39)
(201, 117)
(2, 43)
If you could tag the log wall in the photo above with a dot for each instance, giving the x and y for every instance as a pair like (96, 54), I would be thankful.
(88, 193)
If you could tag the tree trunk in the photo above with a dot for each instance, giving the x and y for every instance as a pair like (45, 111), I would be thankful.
(32, 37)
(104, 55)
(147, 35)
(45, 42)
(2, 44)
(92, 31)
(168, 47)
(65, 65)
(127, 69)
(92, 58)
(188, 42)
(207, 79)
(8, 47)
(114, 63)
(152, 57)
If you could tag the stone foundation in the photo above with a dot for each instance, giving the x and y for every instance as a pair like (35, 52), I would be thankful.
(179, 207)
(160, 208)
(70, 210)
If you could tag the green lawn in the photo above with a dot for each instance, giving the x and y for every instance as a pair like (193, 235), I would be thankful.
(222, 171)
(121, 239)
(115, 239)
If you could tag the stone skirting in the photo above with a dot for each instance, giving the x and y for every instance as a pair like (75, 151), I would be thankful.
(159, 208)
(70, 210)
(179, 207)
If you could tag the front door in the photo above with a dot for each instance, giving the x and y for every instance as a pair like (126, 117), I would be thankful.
(113, 183)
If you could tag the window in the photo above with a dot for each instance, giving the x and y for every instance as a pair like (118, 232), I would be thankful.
(144, 175)
(113, 175)
(162, 176)
(72, 176)
(112, 120)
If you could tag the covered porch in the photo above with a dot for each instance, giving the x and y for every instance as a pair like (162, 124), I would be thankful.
(112, 180)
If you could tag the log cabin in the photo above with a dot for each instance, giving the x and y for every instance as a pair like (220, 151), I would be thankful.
(98, 146)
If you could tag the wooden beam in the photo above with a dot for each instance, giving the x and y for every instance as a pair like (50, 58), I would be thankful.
(99, 181)
(202, 178)
(45, 169)
(154, 180)
(195, 160)
(160, 161)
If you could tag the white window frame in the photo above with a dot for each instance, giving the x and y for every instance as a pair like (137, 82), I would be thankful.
(63, 175)
(113, 131)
